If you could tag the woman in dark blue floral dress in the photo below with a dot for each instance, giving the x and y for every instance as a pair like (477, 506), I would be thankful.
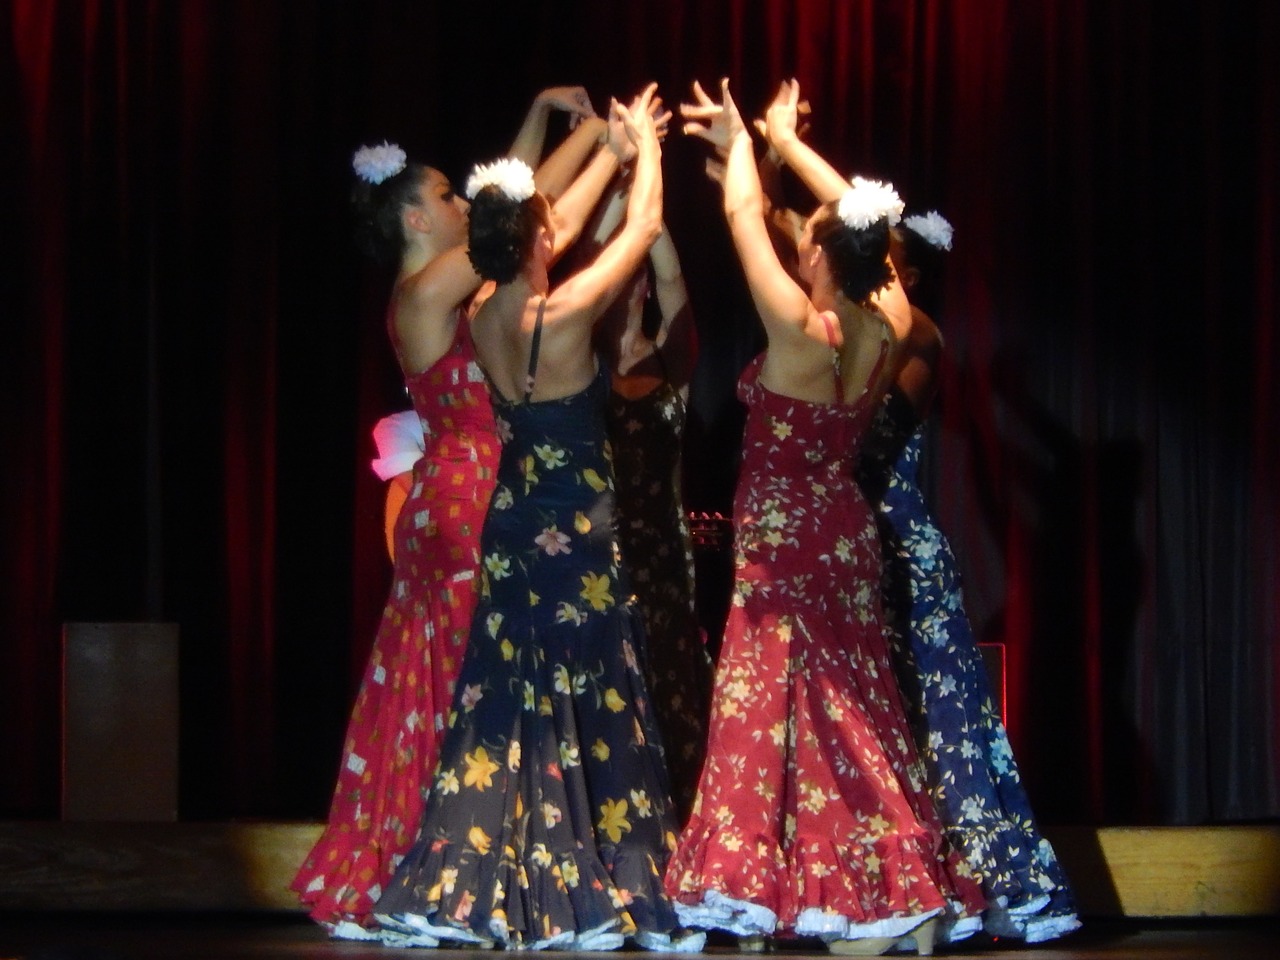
(969, 764)
(649, 341)
(549, 821)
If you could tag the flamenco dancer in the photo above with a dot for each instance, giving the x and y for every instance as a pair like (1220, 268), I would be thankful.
(969, 764)
(648, 340)
(811, 817)
(549, 822)
(408, 214)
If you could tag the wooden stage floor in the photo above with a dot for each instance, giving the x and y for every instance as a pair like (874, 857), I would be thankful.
(213, 936)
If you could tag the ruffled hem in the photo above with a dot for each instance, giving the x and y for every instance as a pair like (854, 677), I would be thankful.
(595, 915)
(333, 899)
(688, 941)
(1032, 925)
(350, 930)
(511, 922)
(715, 911)
(745, 919)
(828, 925)
(1050, 927)
(816, 888)
(416, 930)
(962, 928)
(1033, 921)
(1030, 900)
(413, 930)
(1022, 882)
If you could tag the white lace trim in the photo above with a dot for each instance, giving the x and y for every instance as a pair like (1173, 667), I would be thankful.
(834, 926)
(348, 930)
(718, 912)
(665, 943)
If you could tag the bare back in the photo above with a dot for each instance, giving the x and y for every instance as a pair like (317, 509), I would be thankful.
(525, 358)
(799, 362)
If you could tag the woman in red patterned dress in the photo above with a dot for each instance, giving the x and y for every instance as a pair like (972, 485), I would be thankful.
(811, 817)
(408, 213)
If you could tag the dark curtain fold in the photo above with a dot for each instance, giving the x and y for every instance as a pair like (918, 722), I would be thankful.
(194, 354)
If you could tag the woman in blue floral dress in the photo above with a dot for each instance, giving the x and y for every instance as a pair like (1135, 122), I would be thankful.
(970, 768)
(549, 822)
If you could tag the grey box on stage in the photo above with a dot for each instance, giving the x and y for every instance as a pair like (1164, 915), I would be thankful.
(120, 721)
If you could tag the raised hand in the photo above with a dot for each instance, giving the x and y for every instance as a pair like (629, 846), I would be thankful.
(782, 119)
(786, 113)
(572, 100)
(716, 123)
(661, 117)
(626, 123)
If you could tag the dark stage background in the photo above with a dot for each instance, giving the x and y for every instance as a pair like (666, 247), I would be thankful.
(193, 356)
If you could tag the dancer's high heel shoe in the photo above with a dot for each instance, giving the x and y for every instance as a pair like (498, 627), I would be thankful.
(861, 947)
(924, 936)
(921, 936)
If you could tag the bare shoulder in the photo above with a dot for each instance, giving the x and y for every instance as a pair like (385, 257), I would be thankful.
(925, 339)
(423, 329)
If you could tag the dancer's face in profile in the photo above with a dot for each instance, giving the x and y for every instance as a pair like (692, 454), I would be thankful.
(444, 211)
(545, 242)
(908, 275)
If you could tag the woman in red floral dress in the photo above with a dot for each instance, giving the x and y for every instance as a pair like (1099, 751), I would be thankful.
(409, 214)
(811, 817)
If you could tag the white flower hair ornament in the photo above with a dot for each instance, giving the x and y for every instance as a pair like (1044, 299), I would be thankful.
(378, 163)
(932, 228)
(513, 177)
(869, 201)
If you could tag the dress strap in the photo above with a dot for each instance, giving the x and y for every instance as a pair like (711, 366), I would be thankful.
(835, 355)
(662, 364)
(533, 352)
(880, 360)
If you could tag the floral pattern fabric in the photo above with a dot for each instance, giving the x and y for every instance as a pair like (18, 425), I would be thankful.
(398, 720)
(646, 434)
(970, 769)
(811, 816)
(549, 823)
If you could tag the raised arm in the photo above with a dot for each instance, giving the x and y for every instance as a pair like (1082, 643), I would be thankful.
(677, 331)
(669, 288)
(529, 140)
(554, 175)
(571, 213)
(780, 122)
(783, 306)
(785, 225)
(608, 217)
(585, 295)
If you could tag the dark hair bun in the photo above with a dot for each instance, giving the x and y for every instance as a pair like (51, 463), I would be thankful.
(500, 234)
(858, 256)
(376, 207)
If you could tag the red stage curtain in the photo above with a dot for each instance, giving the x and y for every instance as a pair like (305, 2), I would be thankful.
(193, 354)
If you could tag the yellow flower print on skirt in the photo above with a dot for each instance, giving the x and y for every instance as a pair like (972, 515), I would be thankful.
(558, 711)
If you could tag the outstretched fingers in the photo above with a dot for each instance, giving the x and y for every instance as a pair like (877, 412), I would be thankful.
(714, 122)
